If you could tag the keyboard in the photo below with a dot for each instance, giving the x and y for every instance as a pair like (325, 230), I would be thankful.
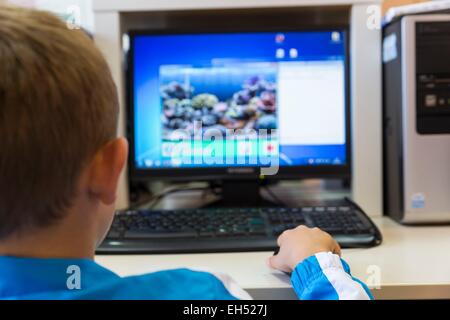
(232, 229)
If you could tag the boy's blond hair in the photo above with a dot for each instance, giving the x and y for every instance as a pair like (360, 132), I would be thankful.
(58, 106)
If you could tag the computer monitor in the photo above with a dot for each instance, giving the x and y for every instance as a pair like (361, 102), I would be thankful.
(232, 105)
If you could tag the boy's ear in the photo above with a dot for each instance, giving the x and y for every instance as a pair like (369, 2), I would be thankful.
(105, 170)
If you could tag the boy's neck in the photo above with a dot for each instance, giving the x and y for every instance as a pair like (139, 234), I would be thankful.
(66, 239)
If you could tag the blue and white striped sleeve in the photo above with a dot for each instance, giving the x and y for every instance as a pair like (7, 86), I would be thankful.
(325, 276)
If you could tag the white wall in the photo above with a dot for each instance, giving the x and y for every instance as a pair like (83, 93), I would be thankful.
(80, 9)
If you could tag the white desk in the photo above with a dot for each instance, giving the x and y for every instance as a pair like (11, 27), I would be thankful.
(414, 262)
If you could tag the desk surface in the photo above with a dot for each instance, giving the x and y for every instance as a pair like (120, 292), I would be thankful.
(412, 262)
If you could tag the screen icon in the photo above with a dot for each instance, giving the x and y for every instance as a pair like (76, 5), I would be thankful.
(280, 53)
(293, 53)
(148, 163)
(279, 38)
(335, 36)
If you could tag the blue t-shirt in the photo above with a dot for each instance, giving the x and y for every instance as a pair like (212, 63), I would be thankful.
(322, 276)
(29, 278)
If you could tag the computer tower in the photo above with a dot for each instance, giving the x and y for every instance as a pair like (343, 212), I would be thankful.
(416, 108)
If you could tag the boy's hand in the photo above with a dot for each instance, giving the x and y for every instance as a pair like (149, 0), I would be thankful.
(300, 243)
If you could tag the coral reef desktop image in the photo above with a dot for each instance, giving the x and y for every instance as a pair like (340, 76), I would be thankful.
(219, 98)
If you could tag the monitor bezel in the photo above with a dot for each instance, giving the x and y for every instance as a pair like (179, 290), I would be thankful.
(234, 172)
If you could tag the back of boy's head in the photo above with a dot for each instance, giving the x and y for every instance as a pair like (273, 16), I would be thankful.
(58, 106)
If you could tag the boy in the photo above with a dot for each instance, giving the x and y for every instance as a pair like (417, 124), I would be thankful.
(59, 167)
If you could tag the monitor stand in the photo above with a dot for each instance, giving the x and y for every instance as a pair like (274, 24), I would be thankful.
(241, 193)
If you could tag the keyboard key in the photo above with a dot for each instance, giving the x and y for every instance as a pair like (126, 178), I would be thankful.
(153, 234)
(114, 234)
(256, 221)
(332, 230)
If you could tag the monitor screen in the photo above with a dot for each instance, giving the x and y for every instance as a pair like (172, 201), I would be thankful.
(233, 99)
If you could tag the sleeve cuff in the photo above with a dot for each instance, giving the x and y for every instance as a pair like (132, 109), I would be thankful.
(309, 270)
